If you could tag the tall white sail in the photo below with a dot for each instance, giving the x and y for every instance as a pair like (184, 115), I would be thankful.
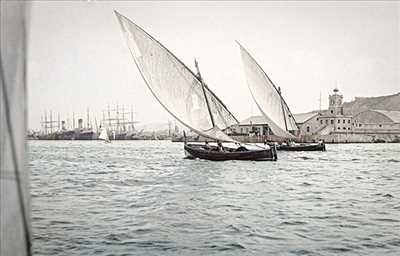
(267, 97)
(103, 135)
(14, 174)
(175, 86)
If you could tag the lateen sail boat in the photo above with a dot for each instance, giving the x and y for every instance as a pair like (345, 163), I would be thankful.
(270, 102)
(184, 95)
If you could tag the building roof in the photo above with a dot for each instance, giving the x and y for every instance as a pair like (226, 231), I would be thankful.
(257, 120)
(303, 117)
(393, 115)
(254, 120)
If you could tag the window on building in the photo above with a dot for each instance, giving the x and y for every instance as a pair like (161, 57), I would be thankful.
(344, 121)
(359, 125)
(241, 130)
(380, 125)
(326, 121)
(348, 121)
(338, 128)
(348, 128)
(344, 128)
(320, 121)
(338, 121)
(331, 111)
(308, 128)
(331, 121)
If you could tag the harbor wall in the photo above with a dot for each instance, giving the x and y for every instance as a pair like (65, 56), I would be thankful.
(354, 137)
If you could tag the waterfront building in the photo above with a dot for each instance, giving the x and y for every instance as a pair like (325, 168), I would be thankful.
(253, 125)
(338, 123)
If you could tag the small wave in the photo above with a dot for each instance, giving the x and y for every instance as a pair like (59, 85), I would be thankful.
(394, 242)
(321, 217)
(233, 228)
(394, 161)
(386, 220)
(59, 222)
(227, 247)
(346, 226)
(293, 223)
(337, 249)
(305, 157)
(141, 231)
(302, 252)
(306, 184)
(388, 195)
(235, 246)
(374, 245)
(266, 236)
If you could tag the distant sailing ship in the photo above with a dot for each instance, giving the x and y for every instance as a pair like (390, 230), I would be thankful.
(273, 107)
(104, 135)
(118, 125)
(186, 97)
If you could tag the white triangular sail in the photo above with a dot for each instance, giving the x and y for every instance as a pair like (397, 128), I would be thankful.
(267, 97)
(175, 86)
(103, 135)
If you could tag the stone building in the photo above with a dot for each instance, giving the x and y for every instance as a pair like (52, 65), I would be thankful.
(335, 125)
(253, 126)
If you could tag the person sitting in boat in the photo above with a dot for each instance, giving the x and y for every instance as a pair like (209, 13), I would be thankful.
(207, 146)
(241, 148)
(220, 147)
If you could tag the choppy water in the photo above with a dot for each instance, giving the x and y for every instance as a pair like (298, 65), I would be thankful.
(143, 198)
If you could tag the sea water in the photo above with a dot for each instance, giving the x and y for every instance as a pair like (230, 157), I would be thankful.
(144, 198)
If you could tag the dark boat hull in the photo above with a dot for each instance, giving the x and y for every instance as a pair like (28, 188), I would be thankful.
(85, 136)
(303, 147)
(199, 151)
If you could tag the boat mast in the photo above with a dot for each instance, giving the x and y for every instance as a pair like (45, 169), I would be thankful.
(204, 92)
(283, 108)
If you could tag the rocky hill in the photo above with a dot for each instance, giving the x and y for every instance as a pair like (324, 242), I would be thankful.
(389, 103)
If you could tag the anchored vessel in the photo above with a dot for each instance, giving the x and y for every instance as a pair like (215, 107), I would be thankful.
(185, 95)
(273, 107)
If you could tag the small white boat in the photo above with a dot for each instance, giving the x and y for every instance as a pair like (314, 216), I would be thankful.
(104, 135)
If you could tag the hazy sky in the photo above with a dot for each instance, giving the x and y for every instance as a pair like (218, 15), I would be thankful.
(78, 58)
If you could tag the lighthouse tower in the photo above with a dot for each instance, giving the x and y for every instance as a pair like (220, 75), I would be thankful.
(335, 103)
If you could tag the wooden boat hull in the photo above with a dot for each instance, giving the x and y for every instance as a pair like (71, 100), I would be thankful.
(303, 147)
(199, 151)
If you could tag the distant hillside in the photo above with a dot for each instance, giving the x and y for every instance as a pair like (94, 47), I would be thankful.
(389, 103)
